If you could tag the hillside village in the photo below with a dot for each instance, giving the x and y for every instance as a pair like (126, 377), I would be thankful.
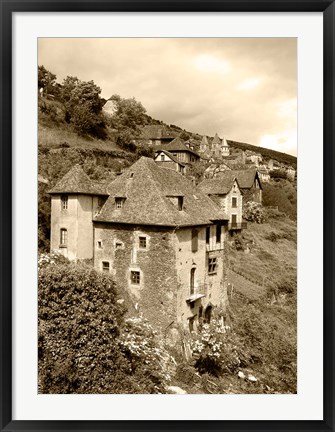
(170, 217)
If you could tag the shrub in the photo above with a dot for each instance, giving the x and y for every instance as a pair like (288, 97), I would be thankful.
(145, 350)
(253, 212)
(78, 325)
(215, 349)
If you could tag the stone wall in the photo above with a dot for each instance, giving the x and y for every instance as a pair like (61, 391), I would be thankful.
(156, 293)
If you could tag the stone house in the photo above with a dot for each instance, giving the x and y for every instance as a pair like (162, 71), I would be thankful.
(226, 193)
(225, 149)
(204, 147)
(155, 135)
(183, 152)
(249, 183)
(215, 150)
(160, 237)
(166, 159)
(74, 201)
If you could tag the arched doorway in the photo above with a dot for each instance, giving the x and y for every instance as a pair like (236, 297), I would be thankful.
(208, 314)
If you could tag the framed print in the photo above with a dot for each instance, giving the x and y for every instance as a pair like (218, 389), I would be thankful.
(167, 215)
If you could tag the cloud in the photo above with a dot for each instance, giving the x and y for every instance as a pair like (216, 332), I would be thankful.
(242, 88)
(208, 63)
(285, 141)
(249, 84)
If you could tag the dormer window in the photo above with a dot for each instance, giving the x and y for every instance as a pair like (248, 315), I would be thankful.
(119, 201)
(177, 201)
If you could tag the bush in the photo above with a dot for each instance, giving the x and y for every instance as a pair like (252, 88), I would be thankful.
(253, 212)
(145, 350)
(78, 326)
(215, 349)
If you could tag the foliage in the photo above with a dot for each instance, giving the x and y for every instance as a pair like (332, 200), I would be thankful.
(46, 80)
(253, 212)
(79, 326)
(83, 106)
(125, 139)
(267, 334)
(279, 173)
(266, 153)
(282, 194)
(216, 349)
(127, 120)
(53, 257)
(129, 114)
(44, 211)
(147, 354)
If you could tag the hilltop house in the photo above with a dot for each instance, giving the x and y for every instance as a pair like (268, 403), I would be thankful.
(225, 150)
(249, 183)
(166, 159)
(226, 193)
(204, 147)
(215, 150)
(159, 236)
(183, 152)
(155, 135)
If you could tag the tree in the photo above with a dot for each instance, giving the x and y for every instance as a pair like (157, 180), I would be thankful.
(46, 80)
(83, 106)
(129, 114)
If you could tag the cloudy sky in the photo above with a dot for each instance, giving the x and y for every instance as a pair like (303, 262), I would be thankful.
(242, 88)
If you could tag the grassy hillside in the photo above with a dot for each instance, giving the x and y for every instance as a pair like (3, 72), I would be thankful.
(262, 314)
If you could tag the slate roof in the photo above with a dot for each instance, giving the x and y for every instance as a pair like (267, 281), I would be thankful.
(147, 188)
(216, 140)
(170, 155)
(76, 181)
(245, 178)
(178, 145)
(218, 185)
(233, 165)
(156, 132)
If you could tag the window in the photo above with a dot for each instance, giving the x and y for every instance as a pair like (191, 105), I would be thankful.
(234, 202)
(194, 240)
(143, 242)
(218, 233)
(105, 266)
(192, 281)
(118, 245)
(162, 157)
(135, 277)
(208, 233)
(63, 237)
(64, 200)
(234, 219)
(99, 242)
(212, 265)
(119, 202)
(180, 203)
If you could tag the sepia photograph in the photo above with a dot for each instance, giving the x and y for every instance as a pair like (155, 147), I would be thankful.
(167, 215)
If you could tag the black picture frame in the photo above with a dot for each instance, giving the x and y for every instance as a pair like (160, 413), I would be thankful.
(7, 8)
